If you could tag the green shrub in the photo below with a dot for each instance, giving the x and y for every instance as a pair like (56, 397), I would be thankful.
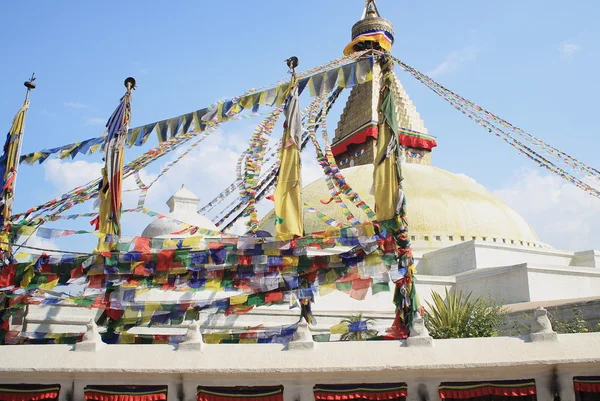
(459, 316)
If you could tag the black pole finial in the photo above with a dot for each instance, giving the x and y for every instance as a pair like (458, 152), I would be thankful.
(29, 84)
(129, 83)
(292, 63)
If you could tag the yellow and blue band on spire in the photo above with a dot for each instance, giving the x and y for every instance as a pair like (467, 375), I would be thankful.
(385, 39)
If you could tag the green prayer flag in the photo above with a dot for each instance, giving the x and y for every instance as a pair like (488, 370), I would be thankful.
(182, 256)
(231, 259)
(344, 286)
(322, 338)
(256, 299)
(376, 288)
(84, 302)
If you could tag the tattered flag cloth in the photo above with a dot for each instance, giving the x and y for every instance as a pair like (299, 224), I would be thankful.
(587, 384)
(274, 393)
(386, 174)
(390, 205)
(29, 392)
(125, 393)
(364, 391)
(9, 164)
(506, 388)
(109, 219)
(288, 197)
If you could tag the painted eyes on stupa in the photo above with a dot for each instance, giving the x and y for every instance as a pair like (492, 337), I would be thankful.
(359, 152)
(415, 155)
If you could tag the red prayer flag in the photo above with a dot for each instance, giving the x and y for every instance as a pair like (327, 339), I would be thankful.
(164, 260)
(273, 296)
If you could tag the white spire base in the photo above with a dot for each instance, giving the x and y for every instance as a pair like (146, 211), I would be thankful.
(92, 341)
(541, 327)
(419, 335)
(193, 339)
(302, 338)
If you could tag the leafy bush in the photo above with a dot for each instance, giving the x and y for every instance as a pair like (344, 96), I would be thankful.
(576, 325)
(459, 316)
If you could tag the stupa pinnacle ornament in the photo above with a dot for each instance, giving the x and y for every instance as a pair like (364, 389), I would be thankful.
(354, 141)
(371, 32)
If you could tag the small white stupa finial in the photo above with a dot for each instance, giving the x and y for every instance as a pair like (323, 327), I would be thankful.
(91, 341)
(541, 327)
(193, 338)
(419, 335)
(183, 200)
(302, 338)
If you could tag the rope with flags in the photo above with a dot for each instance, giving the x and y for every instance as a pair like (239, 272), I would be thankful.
(545, 155)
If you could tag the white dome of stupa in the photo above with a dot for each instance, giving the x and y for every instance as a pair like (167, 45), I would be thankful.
(183, 206)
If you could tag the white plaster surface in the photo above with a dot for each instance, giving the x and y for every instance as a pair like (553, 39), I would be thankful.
(497, 358)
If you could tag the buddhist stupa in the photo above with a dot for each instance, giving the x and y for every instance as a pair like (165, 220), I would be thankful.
(444, 208)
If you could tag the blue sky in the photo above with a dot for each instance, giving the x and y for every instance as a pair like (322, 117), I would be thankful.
(533, 63)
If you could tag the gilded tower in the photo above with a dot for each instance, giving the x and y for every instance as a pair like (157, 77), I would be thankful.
(355, 135)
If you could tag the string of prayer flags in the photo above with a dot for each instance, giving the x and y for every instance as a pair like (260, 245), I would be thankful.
(543, 154)
(345, 72)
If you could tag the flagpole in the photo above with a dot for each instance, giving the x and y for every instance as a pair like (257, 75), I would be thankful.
(110, 193)
(9, 166)
(30, 86)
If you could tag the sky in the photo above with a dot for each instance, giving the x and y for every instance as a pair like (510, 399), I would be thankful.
(532, 63)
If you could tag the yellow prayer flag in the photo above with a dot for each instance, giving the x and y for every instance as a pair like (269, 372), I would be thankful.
(214, 338)
(238, 299)
(326, 289)
(28, 276)
(386, 182)
(372, 259)
(288, 198)
(369, 230)
(290, 260)
(126, 338)
(192, 241)
(130, 316)
(170, 243)
(149, 310)
(340, 328)
(331, 277)
(214, 284)
(27, 230)
(49, 286)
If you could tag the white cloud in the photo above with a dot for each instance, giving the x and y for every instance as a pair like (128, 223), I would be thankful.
(570, 48)
(95, 121)
(36, 242)
(454, 60)
(65, 175)
(562, 215)
(76, 105)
